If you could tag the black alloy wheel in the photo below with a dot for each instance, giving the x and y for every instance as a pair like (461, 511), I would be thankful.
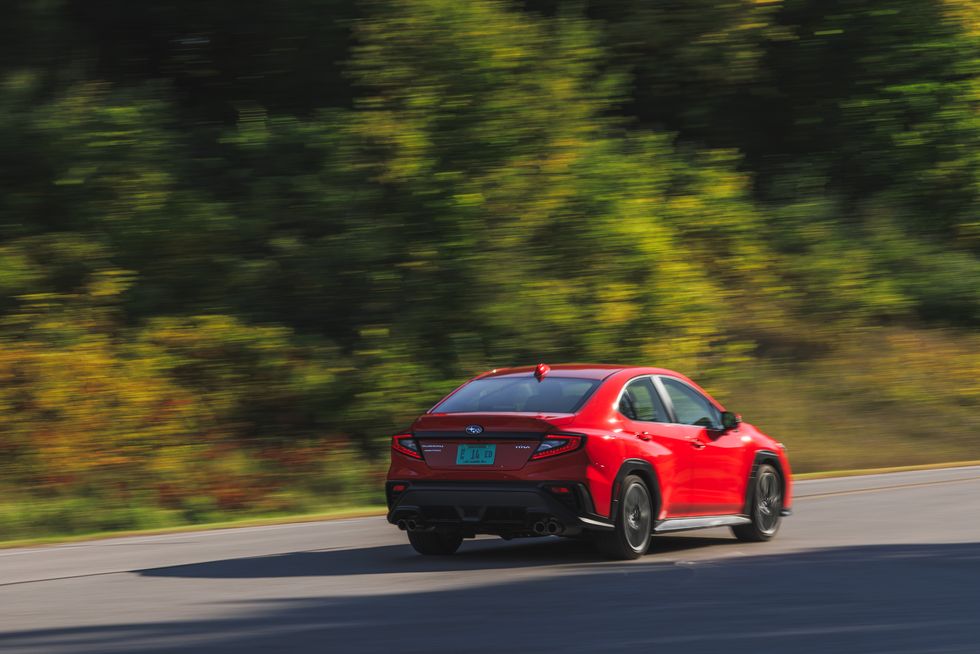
(767, 507)
(634, 523)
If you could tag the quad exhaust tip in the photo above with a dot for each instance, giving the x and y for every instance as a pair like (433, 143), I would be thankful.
(547, 527)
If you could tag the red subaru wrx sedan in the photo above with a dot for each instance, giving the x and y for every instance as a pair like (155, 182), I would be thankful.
(615, 453)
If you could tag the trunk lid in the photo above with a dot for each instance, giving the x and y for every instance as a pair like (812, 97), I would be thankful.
(449, 440)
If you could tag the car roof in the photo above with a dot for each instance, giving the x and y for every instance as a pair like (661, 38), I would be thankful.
(579, 370)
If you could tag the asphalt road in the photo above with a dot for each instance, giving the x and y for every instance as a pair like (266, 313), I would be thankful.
(883, 563)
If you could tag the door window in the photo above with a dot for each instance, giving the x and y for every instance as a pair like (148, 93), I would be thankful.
(640, 401)
(690, 407)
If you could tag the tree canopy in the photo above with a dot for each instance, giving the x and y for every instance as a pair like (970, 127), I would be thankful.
(242, 241)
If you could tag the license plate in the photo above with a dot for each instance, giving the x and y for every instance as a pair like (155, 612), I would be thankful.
(475, 455)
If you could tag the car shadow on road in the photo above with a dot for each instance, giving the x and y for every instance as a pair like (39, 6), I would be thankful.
(898, 599)
(484, 554)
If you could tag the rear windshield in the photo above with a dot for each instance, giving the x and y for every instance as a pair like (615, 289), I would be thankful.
(506, 394)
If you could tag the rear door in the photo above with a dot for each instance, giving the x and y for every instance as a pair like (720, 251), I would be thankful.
(718, 481)
(645, 418)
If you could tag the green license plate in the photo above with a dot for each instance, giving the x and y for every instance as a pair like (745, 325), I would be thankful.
(475, 455)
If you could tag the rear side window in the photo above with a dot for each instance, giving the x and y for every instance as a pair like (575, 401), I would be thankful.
(691, 407)
(520, 394)
(640, 401)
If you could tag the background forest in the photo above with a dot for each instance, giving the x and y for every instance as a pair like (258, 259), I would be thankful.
(242, 242)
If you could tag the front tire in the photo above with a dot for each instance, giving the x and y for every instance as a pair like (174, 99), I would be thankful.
(767, 506)
(435, 543)
(634, 523)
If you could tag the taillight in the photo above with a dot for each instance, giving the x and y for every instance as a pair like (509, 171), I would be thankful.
(407, 445)
(555, 444)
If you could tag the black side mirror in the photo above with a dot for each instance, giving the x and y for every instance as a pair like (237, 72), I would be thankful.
(730, 420)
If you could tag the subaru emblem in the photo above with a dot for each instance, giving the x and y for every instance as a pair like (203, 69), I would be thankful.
(473, 430)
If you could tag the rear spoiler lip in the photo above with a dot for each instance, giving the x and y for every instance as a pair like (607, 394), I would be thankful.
(494, 435)
(498, 422)
(505, 414)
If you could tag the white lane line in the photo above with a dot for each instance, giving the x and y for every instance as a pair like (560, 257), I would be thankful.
(178, 536)
(135, 570)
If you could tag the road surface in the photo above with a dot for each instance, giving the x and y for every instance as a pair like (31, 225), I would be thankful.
(884, 563)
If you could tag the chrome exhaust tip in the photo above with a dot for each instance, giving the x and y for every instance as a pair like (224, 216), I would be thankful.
(540, 527)
(402, 525)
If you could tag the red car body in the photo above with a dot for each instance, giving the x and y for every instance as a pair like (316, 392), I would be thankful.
(697, 475)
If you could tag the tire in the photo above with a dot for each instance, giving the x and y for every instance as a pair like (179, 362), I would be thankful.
(435, 543)
(767, 503)
(634, 523)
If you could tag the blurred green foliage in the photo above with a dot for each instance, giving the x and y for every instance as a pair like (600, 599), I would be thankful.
(242, 243)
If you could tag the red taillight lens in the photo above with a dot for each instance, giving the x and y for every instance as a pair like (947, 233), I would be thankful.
(555, 444)
(407, 445)
(560, 490)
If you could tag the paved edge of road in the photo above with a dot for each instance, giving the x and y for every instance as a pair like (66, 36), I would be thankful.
(834, 474)
(379, 510)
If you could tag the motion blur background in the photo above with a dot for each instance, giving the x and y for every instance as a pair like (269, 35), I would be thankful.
(242, 242)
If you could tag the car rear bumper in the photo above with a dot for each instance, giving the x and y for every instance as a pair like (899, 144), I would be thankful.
(506, 508)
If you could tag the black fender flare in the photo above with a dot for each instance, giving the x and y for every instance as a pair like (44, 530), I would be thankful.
(762, 456)
(644, 470)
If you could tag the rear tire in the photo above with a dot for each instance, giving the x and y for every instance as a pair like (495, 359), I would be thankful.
(435, 543)
(634, 523)
(767, 505)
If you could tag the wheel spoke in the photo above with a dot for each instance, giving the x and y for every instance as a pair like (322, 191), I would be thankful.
(768, 498)
(636, 514)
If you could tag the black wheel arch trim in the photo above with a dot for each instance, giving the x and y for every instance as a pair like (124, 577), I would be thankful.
(761, 457)
(648, 473)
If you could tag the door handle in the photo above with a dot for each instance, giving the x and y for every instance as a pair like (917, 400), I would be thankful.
(644, 436)
(696, 443)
